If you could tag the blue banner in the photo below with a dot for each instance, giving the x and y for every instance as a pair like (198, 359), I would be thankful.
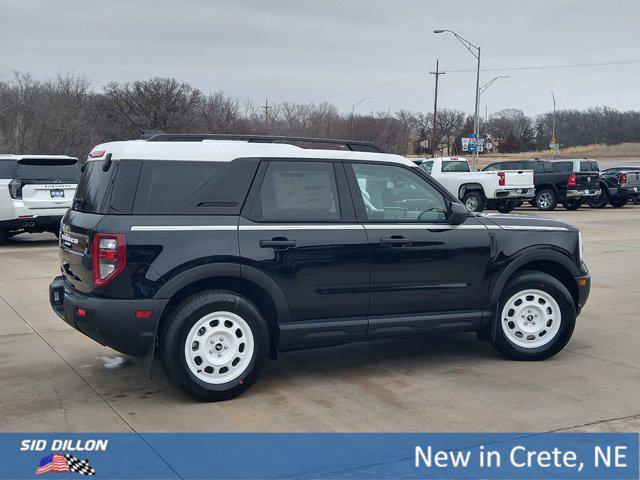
(320, 455)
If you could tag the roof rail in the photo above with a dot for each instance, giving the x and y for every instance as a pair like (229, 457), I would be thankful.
(353, 145)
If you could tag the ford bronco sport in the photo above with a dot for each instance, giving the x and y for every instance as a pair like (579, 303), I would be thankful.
(215, 252)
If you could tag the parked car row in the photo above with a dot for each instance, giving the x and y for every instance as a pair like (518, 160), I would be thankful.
(544, 184)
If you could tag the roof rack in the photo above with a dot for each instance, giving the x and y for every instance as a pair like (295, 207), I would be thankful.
(353, 145)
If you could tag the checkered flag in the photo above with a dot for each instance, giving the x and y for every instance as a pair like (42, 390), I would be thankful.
(79, 466)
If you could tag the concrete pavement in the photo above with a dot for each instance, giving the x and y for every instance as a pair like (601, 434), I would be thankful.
(52, 378)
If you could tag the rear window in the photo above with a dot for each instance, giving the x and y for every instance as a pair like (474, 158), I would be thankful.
(493, 167)
(455, 166)
(6, 169)
(67, 170)
(589, 166)
(563, 166)
(92, 187)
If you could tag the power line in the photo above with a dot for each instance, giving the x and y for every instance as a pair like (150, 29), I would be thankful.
(548, 67)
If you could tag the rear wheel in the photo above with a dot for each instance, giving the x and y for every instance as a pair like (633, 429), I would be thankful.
(618, 202)
(600, 200)
(546, 200)
(214, 345)
(572, 204)
(536, 317)
(474, 200)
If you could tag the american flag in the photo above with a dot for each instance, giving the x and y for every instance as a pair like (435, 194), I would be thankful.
(58, 462)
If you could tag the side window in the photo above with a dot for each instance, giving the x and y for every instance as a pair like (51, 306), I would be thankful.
(395, 194)
(563, 166)
(164, 185)
(427, 166)
(299, 192)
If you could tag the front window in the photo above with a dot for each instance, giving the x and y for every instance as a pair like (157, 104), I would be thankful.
(395, 194)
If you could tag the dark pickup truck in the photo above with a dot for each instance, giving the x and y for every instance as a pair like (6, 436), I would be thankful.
(618, 185)
(569, 182)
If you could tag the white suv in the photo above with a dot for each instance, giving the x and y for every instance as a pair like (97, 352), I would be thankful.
(35, 192)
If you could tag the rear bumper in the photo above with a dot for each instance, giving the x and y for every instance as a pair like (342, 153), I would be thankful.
(587, 192)
(110, 322)
(624, 191)
(515, 193)
(32, 223)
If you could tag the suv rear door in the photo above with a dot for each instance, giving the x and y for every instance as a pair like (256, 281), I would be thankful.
(47, 182)
(298, 226)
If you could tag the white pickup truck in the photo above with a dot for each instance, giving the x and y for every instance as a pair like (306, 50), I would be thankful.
(501, 190)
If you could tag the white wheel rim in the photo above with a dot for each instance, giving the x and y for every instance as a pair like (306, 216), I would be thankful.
(531, 318)
(219, 347)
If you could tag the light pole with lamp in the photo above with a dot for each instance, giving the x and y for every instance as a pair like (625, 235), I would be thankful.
(554, 140)
(475, 51)
(353, 111)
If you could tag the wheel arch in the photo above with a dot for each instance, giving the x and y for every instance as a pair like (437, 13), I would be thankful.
(468, 187)
(243, 280)
(548, 186)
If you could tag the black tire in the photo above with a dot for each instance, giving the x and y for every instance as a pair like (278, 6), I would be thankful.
(546, 200)
(534, 280)
(636, 200)
(173, 337)
(474, 200)
(599, 201)
(572, 204)
(618, 202)
(3, 236)
(505, 207)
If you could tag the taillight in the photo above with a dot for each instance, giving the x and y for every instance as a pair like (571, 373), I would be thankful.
(501, 180)
(623, 178)
(572, 181)
(109, 257)
(15, 189)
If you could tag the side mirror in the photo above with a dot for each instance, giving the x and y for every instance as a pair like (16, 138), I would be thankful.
(459, 214)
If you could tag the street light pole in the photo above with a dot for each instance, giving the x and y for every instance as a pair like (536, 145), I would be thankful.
(437, 73)
(353, 111)
(554, 141)
(475, 51)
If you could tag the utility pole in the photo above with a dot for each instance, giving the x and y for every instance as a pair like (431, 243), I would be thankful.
(437, 73)
(266, 108)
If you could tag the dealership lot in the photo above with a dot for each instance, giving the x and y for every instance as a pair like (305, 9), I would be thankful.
(52, 378)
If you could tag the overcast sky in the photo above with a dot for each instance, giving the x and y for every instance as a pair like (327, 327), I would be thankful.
(339, 51)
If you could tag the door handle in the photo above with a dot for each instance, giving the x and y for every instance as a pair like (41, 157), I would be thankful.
(277, 243)
(395, 241)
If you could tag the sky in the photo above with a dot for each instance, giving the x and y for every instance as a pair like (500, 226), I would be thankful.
(587, 52)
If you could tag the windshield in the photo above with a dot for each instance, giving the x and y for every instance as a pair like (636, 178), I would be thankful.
(49, 169)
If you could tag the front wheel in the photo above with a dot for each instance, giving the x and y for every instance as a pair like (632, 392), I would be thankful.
(505, 207)
(536, 318)
(214, 345)
(572, 204)
(474, 200)
(599, 201)
(618, 202)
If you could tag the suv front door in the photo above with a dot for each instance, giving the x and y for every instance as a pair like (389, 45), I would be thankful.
(425, 272)
(299, 228)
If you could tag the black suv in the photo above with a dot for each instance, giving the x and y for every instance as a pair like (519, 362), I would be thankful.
(569, 182)
(216, 252)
